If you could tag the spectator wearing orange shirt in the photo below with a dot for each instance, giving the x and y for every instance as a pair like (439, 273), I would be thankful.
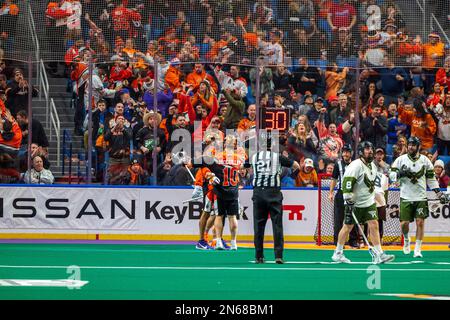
(433, 53)
(421, 122)
(204, 96)
(248, 122)
(198, 75)
(307, 175)
(173, 75)
(334, 80)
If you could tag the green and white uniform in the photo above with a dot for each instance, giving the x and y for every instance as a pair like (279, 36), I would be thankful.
(381, 186)
(358, 186)
(413, 186)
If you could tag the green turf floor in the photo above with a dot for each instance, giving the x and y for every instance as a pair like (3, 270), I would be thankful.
(182, 272)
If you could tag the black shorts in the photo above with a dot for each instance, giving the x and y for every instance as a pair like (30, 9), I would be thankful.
(228, 207)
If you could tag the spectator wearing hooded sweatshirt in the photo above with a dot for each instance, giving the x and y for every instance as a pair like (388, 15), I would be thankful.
(421, 122)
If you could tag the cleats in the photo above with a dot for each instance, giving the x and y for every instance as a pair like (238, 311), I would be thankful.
(203, 245)
(226, 246)
(383, 258)
(339, 257)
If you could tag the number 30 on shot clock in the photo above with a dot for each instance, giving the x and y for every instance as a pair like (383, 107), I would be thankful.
(275, 119)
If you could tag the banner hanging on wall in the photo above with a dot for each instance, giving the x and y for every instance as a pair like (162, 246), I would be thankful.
(154, 211)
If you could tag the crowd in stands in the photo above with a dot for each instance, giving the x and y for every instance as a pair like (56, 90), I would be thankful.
(339, 65)
(14, 136)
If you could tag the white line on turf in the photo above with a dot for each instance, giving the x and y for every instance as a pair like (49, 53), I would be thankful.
(42, 283)
(412, 295)
(352, 262)
(218, 268)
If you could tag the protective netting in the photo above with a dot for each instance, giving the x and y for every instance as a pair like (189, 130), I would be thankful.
(230, 31)
(324, 234)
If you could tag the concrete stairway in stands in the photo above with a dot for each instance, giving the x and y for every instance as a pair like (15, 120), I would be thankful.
(62, 100)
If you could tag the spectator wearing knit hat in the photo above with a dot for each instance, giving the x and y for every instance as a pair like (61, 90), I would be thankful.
(17, 93)
(441, 175)
(174, 75)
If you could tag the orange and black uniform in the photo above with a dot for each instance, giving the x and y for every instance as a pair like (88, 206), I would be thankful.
(208, 189)
(227, 191)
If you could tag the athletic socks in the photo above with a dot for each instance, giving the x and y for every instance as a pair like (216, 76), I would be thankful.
(339, 248)
(378, 249)
(418, 246)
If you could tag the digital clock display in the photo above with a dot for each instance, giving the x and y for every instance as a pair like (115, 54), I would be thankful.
(275, 119)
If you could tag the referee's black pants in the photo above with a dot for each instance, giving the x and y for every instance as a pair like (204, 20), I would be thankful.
(267, 200)
(339, 214)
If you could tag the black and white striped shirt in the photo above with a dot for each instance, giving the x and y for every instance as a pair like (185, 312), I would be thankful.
(267, 168)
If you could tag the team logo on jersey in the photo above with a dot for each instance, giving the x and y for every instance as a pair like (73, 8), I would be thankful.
(415, 176)
(369, 183)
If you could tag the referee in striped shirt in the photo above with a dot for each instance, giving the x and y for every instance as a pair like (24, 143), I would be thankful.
(267, 198)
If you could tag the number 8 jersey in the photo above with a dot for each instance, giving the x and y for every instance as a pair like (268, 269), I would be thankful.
(358, 184)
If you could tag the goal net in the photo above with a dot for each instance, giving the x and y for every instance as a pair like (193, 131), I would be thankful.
(324, 234)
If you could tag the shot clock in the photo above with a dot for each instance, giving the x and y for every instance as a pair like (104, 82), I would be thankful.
(275, 119)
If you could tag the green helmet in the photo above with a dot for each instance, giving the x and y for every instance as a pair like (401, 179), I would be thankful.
(362, 146)
(414, 140)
